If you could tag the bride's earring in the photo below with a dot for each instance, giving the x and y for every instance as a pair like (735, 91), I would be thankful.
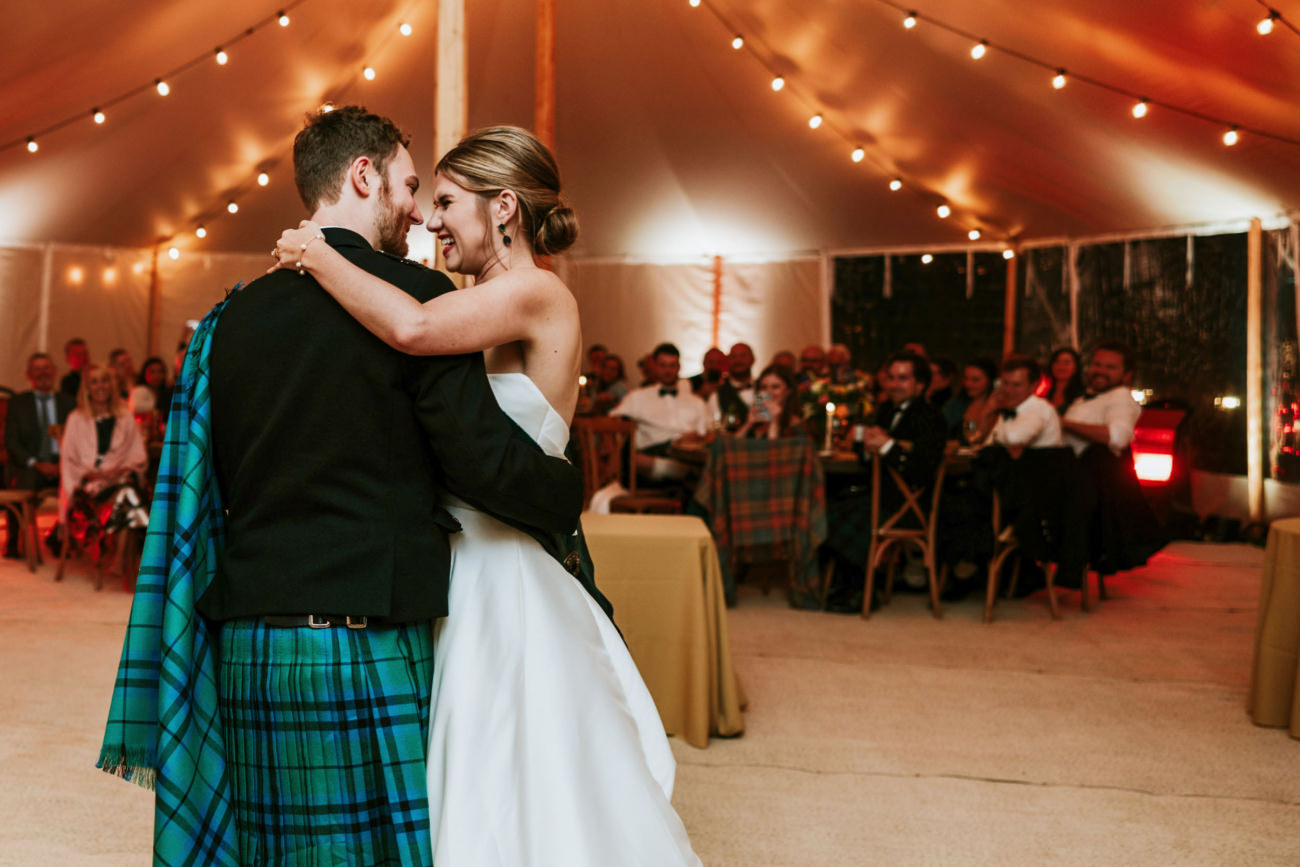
(505, 239)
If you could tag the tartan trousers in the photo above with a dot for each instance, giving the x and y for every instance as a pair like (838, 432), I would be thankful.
(326, 734)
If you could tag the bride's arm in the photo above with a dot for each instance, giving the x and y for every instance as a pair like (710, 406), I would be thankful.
(494, 313)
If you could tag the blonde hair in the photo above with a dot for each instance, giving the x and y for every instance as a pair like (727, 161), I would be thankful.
(498, 158)
(116, 405)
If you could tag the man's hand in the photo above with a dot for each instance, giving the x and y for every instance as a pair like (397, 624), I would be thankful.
(874, 438)
(46, 468)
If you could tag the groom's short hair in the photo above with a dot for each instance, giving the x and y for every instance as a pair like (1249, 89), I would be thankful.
(326, 147)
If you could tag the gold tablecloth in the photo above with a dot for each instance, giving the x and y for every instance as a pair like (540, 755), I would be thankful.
(661, 574)
(1274, 698)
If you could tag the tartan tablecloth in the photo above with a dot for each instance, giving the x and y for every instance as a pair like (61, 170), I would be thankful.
(766, 501)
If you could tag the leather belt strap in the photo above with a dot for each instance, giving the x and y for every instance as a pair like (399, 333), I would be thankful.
(315, 621)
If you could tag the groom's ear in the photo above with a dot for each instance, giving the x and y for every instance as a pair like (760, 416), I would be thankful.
(362, 177)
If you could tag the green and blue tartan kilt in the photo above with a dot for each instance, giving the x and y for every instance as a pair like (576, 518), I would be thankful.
(326, 735)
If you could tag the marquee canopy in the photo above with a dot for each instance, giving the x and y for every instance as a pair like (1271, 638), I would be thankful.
(672, 143)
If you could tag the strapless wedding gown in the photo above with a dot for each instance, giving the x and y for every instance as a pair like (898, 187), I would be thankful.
(545, 746)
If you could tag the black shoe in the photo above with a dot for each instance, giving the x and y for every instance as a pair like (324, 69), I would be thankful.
(54, 542)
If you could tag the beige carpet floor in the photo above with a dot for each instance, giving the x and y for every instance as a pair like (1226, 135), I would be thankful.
(1118, 737)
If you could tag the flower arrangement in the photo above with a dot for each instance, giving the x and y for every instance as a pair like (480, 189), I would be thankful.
(853, 405)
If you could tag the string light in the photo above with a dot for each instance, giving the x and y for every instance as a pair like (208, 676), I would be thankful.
(174, 254)
(369, 73)
(1008, 254)
(926, 259)
(778, 83)
(694, 3)
(327, 108)
(973, 234)
(895, 185)
(1058, 81)
(200, 232)
(162, 87)
(858, 154)
(32, 146)
(405, 29)
(979, 49)
(814, 121)
(1265, 26)
(738, 43)
(98, 116)
(1140, 109)
(232, 207)
(943, 211)
(222, 57)
(284, 19)
(263, 179)
(910, 21)
(1230, 137)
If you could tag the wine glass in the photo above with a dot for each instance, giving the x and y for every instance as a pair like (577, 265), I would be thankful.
(970, 430)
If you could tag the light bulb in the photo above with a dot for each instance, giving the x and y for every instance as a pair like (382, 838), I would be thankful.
(1008, 254)
(222, 57)
(405, 29)
(98, 116)
(926, 259)
(857, 155)
(327, 108)
(200, 232)
(284, 19)
(163, 89)
(173, 253)
(1059, 81)
(232, 207)
(694, 3)
(369, 73)
(973, 234)
(1265, 26)
(814, 121)
(778, 83)
(738, 43)
(263, 179)
(895, 185)
(943, 211)
(910, 21)
(32, 146)
(1230, 137)
(979, 49)
(1140, 109)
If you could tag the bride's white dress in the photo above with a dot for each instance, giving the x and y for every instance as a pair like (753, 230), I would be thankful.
(545, 746)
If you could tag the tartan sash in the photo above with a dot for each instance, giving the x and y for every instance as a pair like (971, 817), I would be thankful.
(164, 729)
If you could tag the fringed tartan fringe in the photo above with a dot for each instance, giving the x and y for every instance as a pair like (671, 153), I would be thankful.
(133, 766)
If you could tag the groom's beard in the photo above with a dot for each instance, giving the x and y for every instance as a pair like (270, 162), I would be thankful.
(392, 225)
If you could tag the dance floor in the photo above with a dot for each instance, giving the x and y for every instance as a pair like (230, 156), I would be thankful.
(1118, 737)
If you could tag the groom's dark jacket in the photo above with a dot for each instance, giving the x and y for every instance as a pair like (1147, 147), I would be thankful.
(331, 450)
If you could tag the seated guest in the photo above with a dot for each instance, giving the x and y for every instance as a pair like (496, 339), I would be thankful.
(1023, 420)
(1063, 382)
(964, 413)
(611, 387)
(775, 412)
(123, 368)
(595, 361)
(32, 438)
(784, 358)
(736, 393)
(1106, 413)
(102, 464)
(151, 392)
(663, 412)
(942, 371)
(707, 380)
(909, 438)
(839, 365)
(646, 366)
(76, 353)
(812, 364)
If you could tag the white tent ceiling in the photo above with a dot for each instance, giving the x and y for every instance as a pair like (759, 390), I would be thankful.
(671, 143)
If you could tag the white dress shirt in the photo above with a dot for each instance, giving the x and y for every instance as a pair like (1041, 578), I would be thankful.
(1035, 426)
(1116, 409)
(662, 418)
(746, 393)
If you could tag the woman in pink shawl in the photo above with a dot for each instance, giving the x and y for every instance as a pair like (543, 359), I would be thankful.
(102, 462)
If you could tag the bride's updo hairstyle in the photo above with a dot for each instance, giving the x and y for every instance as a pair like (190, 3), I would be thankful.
(510, 158)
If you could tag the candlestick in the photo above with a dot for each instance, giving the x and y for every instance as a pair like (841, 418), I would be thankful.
(830, 423)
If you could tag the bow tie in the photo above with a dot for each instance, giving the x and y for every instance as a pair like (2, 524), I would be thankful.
(665, 390)
(1007, 414)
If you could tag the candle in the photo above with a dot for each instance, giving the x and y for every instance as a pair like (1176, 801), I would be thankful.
(830, 423)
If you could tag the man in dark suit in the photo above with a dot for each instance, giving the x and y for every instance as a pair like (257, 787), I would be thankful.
(32, 445)
(909, 436)
(331, 450)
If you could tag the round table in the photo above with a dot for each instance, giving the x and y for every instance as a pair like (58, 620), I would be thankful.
(1274, 698)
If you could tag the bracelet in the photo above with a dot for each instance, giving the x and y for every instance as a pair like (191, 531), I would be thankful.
(319, 236)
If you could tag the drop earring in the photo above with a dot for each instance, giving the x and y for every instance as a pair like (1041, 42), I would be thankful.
(505, 239)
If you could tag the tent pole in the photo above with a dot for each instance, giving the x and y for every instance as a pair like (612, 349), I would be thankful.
(1254, 372)
(43, 315)
(717, 298)
(155, 293)
(544, 79)
(1009, 314)
(450, 101)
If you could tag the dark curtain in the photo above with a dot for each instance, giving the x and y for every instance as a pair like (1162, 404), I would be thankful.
(1281, 391)
(1043, 323)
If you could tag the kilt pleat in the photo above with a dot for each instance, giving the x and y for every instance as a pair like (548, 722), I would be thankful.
(326, 733)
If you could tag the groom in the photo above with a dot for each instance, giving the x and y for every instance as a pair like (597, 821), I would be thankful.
(330, 451)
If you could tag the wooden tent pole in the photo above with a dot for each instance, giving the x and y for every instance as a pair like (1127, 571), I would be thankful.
(544, 79)
(450, 101)
(717, 299)
(155, 296)
(1009, 314)
(1254, 372)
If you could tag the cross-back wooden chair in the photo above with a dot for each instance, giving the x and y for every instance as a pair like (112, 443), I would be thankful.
(887, 534)
(608, 449)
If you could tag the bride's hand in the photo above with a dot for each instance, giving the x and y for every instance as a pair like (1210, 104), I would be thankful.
(293, 244)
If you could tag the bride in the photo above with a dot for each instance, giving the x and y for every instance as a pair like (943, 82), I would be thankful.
(545, 746)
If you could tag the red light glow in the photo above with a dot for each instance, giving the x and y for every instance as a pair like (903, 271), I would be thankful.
(1153, 468)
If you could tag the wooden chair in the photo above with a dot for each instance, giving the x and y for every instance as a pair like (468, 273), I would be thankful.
(22, 505)
(887, 534)
(608, 450)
